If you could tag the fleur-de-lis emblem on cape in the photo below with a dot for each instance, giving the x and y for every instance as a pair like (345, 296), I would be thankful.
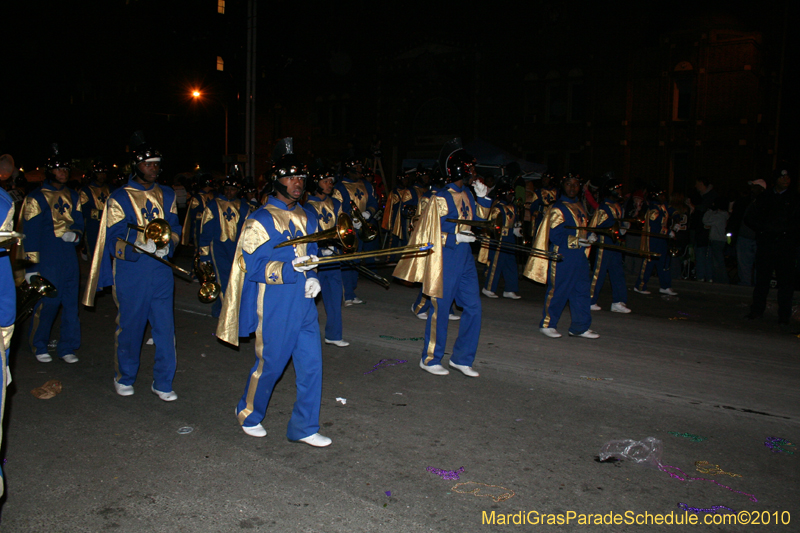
(292, 232)
(229, 214)
(61, 206)
(149, 211)
(273, 277)
(464, 210)
(325, 216)
(102, 198)
(359, 194)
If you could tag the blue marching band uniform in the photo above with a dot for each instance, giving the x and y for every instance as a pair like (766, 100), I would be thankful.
(501, 263)
(657, 217)
(49, 215)
(330, 276)
(8, 308)
(567, 280)
(362, 194)
(608, 262)
(143, 287)
(219, 230)
(266, 295)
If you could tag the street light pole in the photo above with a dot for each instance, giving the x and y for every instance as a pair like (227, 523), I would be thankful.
(196, 94)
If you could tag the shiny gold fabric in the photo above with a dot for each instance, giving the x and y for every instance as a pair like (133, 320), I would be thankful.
(186, 235)
(536, 267)
(337, 195)
(112, 211)
(253, 235)
(352, 187)
(321, 206)
(388, 215)
(284, 219)
(483, 253)
(229, 225)
(273, 273)
(60, 203)
(427, 268)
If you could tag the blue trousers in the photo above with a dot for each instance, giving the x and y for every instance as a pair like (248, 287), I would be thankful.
(423, 304)
(143, 292)
(502, 265)
(62, 272)
(659, 264)
(297, 338)
(568, 281)
(460, 285)
(609, 262)
(330, 280)
(222, 259)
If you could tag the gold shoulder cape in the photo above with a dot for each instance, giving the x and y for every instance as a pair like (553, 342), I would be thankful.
(426, 268)
(97, 261)
(536, 267)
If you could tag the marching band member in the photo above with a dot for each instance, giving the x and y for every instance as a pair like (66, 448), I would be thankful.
(220, 226)
(543, 197)
(8, 306)
(53, 226)
(327, 209)
(143, 286)
(608, 215)
(195, 207)
(93, 200)
(567, 280)
(271, 295)
(502, 263)
(448, 274)
(657, 217)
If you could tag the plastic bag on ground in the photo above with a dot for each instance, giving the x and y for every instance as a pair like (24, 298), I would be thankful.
(645, 452)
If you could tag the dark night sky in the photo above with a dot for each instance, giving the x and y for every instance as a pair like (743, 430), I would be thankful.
(135, 62)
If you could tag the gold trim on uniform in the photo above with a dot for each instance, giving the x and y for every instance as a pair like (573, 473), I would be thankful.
(61, 207)
(252, 384)
(551, 292)
(253, 235)
(426, 268)
(204, 251)
(281, 219)
(432, 340)
(322, 206)
(228, 227)
(537, 267)
(273, 273)
(30, 208)
(352, 187)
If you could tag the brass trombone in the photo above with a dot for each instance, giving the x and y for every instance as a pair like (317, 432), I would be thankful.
(402, 250)
(367, 233)
(176, 268)
(30, 293)
(342, 234)
(157, 230)
(209, 288)
(494, 226)
(10, 238)
(625, 249)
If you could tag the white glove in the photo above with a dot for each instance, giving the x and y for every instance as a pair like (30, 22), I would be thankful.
(69, 236)
(312, 287)
(29, 275)
(676, 227)
(8, 376)
(622, 231)
(356, 224)
(325, 252)
(480, 188)
(625, 225)
(671, 234)
(518, 230)
(584, 242)
(149, 246)
(591, 238)
(366, 214)
(465, 236)
(161, 252)
(304, 267)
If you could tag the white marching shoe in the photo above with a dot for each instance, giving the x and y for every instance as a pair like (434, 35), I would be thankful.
(316, 440)
(339, 343)
(123, 390)
(596, 307)
(436, 370)
(464, 369)
(588, 334)
(488, 293)
(512, 295)
(550, 332)
(670, 292)
(620, 307)
(166, 396)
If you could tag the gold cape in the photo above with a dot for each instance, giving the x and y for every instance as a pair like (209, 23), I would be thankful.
(228, 324)
(426, 268)
(97, 259)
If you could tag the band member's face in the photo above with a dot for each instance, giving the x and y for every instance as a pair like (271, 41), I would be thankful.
(783, 182)
(326, 185)
(149, 170)
(571, 188)
(60, 175)
(101, 177)
(231, 193)
(294, 186)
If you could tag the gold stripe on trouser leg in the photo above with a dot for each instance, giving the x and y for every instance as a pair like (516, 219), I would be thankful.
(493, 270)
(119, 328)
(596, 272)
(5, 342)
(6, 334)
(552, 275)
(252, 385)
(35, 326)
(420, 305)
(432, 339)
(214, 264)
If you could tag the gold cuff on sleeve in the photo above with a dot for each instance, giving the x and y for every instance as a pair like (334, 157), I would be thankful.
(274, 273)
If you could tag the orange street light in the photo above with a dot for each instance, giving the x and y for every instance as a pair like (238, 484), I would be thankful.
(195, 94)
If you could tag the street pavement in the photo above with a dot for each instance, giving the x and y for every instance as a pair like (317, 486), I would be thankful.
(687, 370)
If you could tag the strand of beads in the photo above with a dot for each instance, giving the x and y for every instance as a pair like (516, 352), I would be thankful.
(776, 444)
(713, 509)
(385, 363)
(451, 475)
(686, 477)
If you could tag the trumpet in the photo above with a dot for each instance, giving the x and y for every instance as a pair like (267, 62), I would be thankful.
(157, 230)
(342, 234)
(10, 238)
(30, 293)
(209, 288)
(367, 233)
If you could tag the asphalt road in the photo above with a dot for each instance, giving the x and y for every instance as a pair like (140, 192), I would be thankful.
(686, 370)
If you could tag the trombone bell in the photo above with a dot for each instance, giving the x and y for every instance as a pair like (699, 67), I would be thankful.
(157, 230)
(343, 234)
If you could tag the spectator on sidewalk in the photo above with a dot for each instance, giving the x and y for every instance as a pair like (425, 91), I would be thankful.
(746, 236)
(716, 220)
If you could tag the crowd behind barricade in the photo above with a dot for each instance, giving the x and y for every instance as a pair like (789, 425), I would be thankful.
(264, 249)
